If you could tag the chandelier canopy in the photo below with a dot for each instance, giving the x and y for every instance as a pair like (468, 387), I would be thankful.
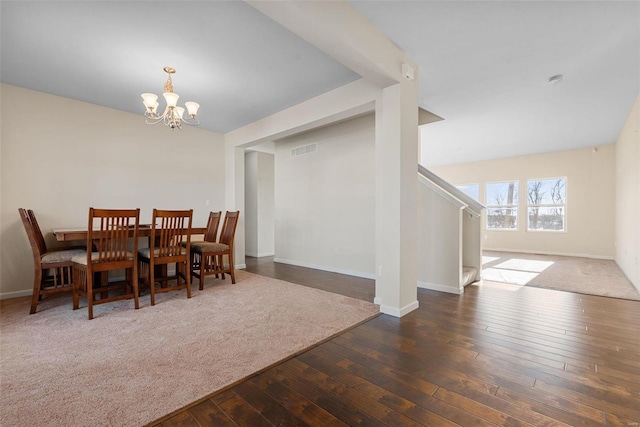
(173, 115)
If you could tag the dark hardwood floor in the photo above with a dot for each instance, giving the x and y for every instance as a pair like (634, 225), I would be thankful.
(498, 355)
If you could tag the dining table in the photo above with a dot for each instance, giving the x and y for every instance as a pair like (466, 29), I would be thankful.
(80, 233)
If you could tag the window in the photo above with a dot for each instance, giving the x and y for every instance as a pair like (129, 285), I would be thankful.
(471, 190)
(502, 205)
(546, 200)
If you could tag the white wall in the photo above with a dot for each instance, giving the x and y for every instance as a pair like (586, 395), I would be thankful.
(325, 201)
(266, 205)
(590, 205)
(439, 241)
(251, 203)
(61, 156)
(472, 242)
(259, 204)
(628, 197)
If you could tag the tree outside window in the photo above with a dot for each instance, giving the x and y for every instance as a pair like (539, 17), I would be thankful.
(502, 205)
(546, 200)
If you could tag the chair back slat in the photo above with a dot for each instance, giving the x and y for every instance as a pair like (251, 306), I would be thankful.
(170, 229)
(212, 227)
(229, 227)
(38, 247)
(42, 246)
(111, 231)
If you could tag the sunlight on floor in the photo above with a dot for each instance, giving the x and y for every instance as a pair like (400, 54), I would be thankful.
(488, 259)
(525, 265)
(517, 271)
(508, 276)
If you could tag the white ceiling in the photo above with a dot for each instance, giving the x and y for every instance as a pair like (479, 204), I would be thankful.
(484, 68)
(483, 65)
(238, 64)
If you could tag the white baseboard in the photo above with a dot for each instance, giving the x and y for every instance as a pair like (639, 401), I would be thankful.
(440, 288)
(259, 255)
(325, 268)
(16, 294)
(522, 251)
(398, 312)
(240, 266)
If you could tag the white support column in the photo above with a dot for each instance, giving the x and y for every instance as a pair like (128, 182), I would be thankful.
(396, 198)
(234, 197)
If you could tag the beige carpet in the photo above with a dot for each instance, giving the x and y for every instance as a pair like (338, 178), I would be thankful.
(129, 367)
(572, 274)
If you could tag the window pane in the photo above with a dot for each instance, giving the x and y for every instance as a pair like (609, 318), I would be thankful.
(546, 191)
(471, 190)
(502, 193)
(502, 218)
(546, 218)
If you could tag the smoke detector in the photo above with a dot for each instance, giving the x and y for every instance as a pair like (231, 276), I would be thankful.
(554, 80)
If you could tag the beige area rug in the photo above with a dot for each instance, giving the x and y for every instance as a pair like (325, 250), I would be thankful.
(572, 274)
(130, 367)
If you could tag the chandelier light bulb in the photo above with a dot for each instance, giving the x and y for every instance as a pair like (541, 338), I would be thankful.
(173, 115)
(171, 99)
(149, 99)
(192, 108)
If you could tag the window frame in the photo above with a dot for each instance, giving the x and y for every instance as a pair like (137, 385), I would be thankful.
(547, 205)
(515, 207)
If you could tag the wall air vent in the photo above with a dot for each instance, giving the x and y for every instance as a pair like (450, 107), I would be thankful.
(305, 149)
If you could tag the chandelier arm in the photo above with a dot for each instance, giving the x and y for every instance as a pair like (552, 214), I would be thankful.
(191, 121)
(154, 120)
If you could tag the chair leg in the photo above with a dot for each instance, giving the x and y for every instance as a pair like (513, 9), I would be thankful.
(134, 282)
(191, 262)
(76, 288)
(89, 278)
(221, 266)
(152, 284)
(203, 261)
(232, 269)
(187, 276)
(104, 282)
(37, 282)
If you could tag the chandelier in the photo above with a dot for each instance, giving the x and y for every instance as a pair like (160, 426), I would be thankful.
(173, 115)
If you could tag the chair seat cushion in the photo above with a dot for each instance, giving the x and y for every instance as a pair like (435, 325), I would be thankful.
(208, 247)
(82, 259)
(146, 252)
(62, 256)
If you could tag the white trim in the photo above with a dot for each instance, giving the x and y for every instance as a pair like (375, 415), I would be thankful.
(325, 268)
(262, 255)
(399, 312)
(16, 294)
(440, 288)
(377, 301)
(524, 251)
(240, 266)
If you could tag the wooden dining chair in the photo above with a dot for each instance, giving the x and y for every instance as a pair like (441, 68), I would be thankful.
(170, 243)
(113, 233)
(210, 236)
(53, 269)
(208, 257)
